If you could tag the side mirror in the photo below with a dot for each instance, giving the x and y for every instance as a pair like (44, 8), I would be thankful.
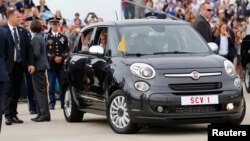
(96, 50)
(213, 46)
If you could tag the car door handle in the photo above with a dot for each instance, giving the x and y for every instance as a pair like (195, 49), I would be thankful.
(89, 65)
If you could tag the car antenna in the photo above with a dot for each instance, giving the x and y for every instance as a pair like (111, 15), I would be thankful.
(116, 15)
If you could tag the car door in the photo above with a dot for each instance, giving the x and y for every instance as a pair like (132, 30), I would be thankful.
(77, 70)
(97, 73)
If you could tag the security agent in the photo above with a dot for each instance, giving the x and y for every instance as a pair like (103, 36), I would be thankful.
(4, 77)
(57, 51)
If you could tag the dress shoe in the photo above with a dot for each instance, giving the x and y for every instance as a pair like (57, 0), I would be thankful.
(16, 120)
(34, 119)
(52, 107)
(33, 112)
(42, 119)
(8, 121)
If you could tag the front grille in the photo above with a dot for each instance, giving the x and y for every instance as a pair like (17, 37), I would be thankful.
(195, 86)
(195, 109)
(190, 109)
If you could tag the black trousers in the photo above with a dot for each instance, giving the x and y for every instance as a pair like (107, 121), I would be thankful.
(12, 90)
(1, 105)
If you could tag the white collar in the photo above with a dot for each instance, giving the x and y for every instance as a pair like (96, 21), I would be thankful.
(11, 27)
(32, 34)
(55, 33)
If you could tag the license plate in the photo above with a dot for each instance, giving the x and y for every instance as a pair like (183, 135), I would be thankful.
(199, 100)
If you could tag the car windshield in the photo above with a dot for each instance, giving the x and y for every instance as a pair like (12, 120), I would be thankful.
(161, 39)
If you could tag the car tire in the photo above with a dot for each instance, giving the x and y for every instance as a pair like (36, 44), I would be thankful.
(247, 78)
(71, 113)
(118, 115)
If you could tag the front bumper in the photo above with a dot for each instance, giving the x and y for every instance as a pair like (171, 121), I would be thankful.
(167, 92)
(143, 109)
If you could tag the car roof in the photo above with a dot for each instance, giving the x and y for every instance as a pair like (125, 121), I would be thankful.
(140, 22)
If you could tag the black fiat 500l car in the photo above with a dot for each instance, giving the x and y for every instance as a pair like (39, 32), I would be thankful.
(140, 72)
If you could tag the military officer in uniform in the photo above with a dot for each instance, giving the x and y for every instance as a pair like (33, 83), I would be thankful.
(57, 51)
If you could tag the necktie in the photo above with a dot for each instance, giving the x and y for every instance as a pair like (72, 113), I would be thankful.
(17, 47)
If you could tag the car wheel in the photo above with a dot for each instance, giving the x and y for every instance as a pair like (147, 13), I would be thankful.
(71, 113)
(247, 78)
(118, 115)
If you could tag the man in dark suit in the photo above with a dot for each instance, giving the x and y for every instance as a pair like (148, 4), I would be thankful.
(4, 42)
(201, 23)
(21, 59)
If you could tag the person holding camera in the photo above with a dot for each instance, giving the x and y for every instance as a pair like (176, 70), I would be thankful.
(77, 19)
(91, 17)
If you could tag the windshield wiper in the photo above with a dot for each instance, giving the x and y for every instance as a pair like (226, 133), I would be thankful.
(173, 52)
(136, 54)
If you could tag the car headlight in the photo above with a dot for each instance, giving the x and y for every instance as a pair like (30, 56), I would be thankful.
(142, 70)
(229, 67)
(141, 86)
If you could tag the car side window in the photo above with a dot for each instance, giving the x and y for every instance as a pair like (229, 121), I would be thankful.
(101, 37)
(85, 40)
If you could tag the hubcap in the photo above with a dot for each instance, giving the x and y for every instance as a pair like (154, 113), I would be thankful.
(67, 103)
(118, 112)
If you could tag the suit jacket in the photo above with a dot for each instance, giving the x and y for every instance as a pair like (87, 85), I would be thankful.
(45, 8)
(245, 51)
(38, 44)
(204, 28)
(25, 46)
(4, 44)
(231, 48)
(27, 4)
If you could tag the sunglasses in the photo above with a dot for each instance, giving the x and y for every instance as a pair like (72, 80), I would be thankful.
(209, 10)
(55, 24)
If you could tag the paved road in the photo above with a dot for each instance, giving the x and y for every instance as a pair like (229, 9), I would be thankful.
(95, 128)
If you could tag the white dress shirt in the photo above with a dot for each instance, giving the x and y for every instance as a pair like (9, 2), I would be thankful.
(12, 32)
(223, 45)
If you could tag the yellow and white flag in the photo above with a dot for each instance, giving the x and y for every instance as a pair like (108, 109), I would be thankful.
(122, 45)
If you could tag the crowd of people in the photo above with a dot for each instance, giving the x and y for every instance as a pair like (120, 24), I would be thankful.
(221, 21)
(35, 44)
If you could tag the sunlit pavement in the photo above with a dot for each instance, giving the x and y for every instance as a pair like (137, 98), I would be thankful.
(95, 128)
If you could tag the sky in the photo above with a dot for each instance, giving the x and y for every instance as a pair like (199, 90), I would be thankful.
(103, 8)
